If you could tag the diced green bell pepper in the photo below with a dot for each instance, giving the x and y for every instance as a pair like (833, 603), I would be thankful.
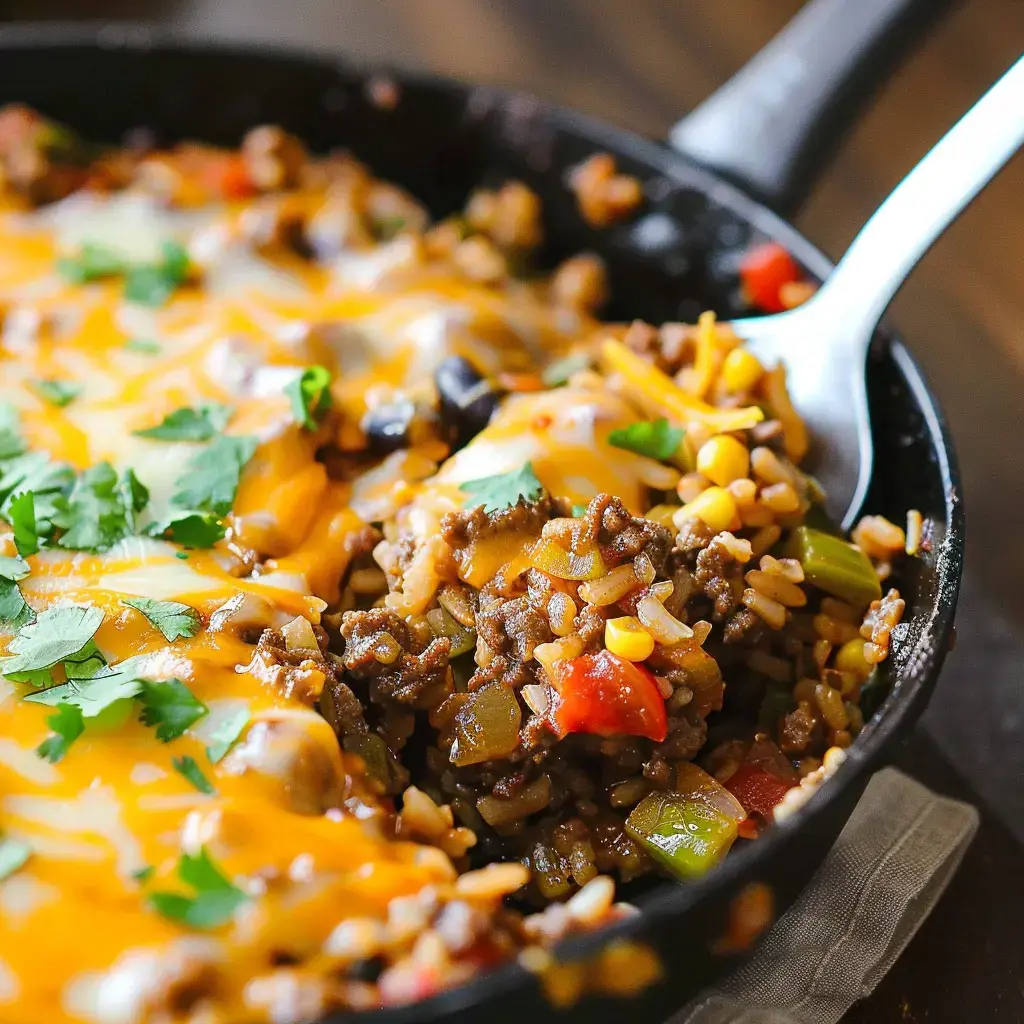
(835, 566)
(685, 836)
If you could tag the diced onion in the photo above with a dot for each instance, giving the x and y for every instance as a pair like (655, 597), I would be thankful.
(611, 587)
(663, 626)
(299, 636)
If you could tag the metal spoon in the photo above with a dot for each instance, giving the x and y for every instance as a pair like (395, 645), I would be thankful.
(824, 343)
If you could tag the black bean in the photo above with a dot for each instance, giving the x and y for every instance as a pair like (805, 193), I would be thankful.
(387, 426)
(468, 400)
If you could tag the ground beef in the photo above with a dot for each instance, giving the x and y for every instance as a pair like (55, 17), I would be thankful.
(416, 676)
(743, 628)
(460, 529)
(590, 623)
(713, 575)
(686, 736)
(798, 729)
(514, 627)
(508, 671)
(694, 535)
(668, 347)
(622, 536)
(299, 674)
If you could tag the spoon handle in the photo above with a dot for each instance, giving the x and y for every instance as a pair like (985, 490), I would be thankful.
(924, 204)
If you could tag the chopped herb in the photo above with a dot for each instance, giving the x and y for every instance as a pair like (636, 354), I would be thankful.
(187, 767)
(143, 875)
(183, 555)
(13, 568)
(100, 509)
(67, 725)
(21, 512)
(224, 733)
(143, 345)
(93, 262)
(11, 442)
(170, 706)
(503, 490)
(152, 284)
(57, 634)
(172, 618)
(13, 855)
(92, 695)
(190, 529)
(558, 373)
(310, 396)
(212, 475)
(56, 392)
(134, 497)
(15, 611)
(190, 423)
(86, 664)
(49, 482)
(215, 901)
(656, 440)
(578, 511)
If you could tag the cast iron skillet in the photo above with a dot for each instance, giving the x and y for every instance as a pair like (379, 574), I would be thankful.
(767, 132)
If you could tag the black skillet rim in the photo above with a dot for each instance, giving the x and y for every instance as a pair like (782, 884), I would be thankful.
(904, 703)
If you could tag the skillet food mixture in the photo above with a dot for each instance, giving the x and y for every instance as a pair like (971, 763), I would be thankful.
(369, 605)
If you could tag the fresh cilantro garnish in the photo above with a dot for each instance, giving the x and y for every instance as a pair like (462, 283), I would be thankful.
(13, 855)
(152, 284)
(93, 262)
(190, 529)
(578, 511)
(143, 875)
(58, 634)
(212, 475)
(86, 664)
(656, 440)
(310, 395)
(187, 767)
(21, 511)
(13, 568)
(142, 345)
(170, 706)
(15, 611)
(183, 555)
(215, 901)
(172, 618)
(558, 373)
(48, 481)
(67, 725)
(223, 734)
(11, 442)
(198, 423)
(503, 490)
(91, 695)
(100, 509)
(56, 392)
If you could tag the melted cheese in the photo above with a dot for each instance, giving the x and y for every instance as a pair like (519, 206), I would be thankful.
(77, 941)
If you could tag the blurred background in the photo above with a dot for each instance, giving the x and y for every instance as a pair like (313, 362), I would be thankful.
(642, 64)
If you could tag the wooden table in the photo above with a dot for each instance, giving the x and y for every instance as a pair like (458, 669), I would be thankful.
(642, 63)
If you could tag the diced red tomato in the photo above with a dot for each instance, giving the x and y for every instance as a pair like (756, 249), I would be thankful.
(228, 177)
(763, 272)
(749, 827)
(605, 695)
(757, 789)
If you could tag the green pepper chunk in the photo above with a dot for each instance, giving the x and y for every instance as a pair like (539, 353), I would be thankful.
(835, 566)
(442, 623)
(685, 836)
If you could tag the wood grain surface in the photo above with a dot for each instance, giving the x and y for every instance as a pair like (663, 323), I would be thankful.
(643, 63)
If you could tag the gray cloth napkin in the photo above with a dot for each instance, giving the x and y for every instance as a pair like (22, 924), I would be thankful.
(880, 881)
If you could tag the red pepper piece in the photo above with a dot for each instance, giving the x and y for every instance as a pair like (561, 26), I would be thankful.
(763, 271)
(228, 177)
(605, 695)
(757, 789)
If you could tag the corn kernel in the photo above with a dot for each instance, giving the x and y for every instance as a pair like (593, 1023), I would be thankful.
(715, 506)
(741, 370)
(850, 658)
(723, 459)
(627, 638)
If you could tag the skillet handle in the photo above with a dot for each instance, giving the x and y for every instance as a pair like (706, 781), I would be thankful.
(772, 128)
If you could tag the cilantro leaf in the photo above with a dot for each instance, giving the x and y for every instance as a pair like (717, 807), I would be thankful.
(212, 475)
(13, 855)
(11, 442)
(656, 440)
(13, 568)
(15, 611)
(187, 767)
(503, 490)
(310, 395)
(21, 512)
(142, 345)
(191, 529)
(170, 706)
(56, 392)
(93, 262)
(190, 423)
(93, 514)
(143, 875)
(558, 373)
(152, 284)
(134, 497)
(172, 618)
(93, 694)
(57, 634)
(215, 901)
(67, 726)
(86, 664)
(223, 733)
